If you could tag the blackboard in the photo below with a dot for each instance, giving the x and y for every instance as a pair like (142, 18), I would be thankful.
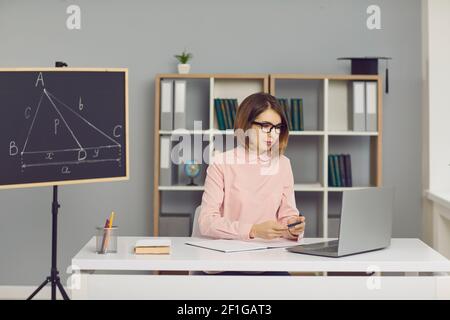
(62, 126)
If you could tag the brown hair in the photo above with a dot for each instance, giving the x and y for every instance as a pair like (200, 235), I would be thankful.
(254, 105)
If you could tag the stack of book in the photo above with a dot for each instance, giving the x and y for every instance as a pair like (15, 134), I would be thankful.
(225, 112)
(152, 246)
(293, 112)
(339, 170)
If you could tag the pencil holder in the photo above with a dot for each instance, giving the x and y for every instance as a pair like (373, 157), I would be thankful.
(106, 240)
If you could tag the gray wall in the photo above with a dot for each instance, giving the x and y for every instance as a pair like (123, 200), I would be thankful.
(225, 36)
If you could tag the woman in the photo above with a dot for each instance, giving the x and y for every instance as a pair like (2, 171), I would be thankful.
(249, 189)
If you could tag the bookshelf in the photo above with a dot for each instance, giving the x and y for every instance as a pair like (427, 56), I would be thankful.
(326, 131)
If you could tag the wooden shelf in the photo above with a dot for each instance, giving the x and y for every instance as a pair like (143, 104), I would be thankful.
(183, 131)
(241, 76)
(308, 187)
(340, 189)
(222, 132)
(352, 133)
(306, 133)
(300, 76)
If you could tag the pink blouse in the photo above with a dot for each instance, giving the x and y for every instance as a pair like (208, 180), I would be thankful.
(242, 189)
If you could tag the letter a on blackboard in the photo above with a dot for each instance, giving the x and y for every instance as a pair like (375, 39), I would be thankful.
(40, 78)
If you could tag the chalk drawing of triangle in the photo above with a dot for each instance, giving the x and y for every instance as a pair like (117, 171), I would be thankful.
(56, 126)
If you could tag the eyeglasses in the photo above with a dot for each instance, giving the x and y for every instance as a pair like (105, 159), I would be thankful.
(267, 127)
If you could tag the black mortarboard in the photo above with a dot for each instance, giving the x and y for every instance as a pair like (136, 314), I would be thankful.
(368, 65)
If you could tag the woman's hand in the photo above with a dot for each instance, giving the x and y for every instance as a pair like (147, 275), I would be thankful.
(293, 233)
(268, 230)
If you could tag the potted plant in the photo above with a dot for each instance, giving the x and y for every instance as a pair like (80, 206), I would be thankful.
(183, 59)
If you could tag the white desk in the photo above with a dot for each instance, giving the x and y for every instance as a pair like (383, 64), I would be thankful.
(128, 276)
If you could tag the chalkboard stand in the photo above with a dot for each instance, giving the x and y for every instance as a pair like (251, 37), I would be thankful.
(54, 273)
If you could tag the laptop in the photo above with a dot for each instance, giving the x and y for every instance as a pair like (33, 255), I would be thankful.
(365, 224)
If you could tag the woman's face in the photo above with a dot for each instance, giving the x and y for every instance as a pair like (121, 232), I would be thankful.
(261, 140)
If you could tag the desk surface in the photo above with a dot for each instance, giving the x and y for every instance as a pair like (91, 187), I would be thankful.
(403, 255)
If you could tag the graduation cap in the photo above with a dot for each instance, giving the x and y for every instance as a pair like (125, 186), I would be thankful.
(368, 65)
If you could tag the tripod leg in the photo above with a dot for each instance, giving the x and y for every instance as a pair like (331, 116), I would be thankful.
(39, 289)
(53, 290)
(61, 289)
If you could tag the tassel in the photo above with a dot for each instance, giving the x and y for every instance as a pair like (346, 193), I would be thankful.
(387, 76)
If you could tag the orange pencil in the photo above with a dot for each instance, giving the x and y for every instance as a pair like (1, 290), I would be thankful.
(111, 219)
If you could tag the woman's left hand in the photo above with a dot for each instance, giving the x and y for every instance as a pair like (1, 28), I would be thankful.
(296, 230)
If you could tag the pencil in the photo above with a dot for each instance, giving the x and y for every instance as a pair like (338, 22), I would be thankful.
(108, 231)
(102, 250)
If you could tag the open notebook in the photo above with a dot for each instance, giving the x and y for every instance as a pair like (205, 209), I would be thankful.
(239, 245)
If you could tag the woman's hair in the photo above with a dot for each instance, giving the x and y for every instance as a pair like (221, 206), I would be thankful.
(254, 105)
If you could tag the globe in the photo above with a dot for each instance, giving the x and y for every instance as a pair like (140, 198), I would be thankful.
(192, 170)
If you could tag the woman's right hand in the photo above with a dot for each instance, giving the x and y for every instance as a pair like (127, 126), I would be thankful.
(268, 230)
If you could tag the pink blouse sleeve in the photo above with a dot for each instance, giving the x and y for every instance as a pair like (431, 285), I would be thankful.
(211, 222)
(288, 207)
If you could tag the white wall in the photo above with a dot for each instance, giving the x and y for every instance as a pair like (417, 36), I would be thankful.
(436, 128)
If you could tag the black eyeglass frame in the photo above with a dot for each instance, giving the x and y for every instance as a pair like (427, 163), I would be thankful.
(263, 126)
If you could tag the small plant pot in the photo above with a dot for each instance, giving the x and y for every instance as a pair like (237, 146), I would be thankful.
(184, 68)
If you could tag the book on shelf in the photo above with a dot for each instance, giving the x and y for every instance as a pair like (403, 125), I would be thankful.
(358, 105)
(293, 111)
(297, 107)
(348, 170)
(153, 245)
(166, 105)
(234, 106)
(339, 170)
(295, 115)
(219, 114)
(228, 113)
(339, 115)
(179, 120)
(168, 171)
(342, 170)
(284, 103)
(364, 105)
(331, 172)
(225, 110)
(224, 113)
(371, 106)
(165, 175)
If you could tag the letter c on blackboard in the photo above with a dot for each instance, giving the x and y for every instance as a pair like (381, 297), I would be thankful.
(116, 128)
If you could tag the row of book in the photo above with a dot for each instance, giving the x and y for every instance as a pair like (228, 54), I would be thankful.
(339, 170)
(225, 112)
(293, 112)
